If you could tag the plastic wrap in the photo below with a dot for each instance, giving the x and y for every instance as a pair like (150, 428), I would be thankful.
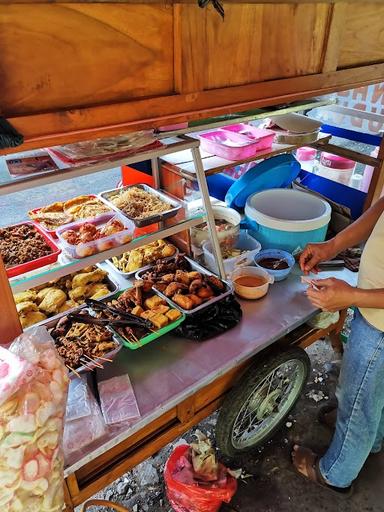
(117, 400)
(192, 497)
(84, 422)
(33, 391)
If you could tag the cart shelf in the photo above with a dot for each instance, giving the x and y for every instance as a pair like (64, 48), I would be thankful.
(215, 164)
(58, 269)
(171, 145)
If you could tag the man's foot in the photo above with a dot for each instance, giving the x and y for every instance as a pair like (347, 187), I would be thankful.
(328, 416)
(306, 463)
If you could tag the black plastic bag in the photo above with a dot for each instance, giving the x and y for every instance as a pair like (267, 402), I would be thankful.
(212, 321)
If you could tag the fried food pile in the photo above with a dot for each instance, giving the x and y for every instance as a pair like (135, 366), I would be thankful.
(185, 287)
(57, 214)
(139, 204)
(141, 301)
(146, 255)
(77, 343)
(60, 295)
(20, 244)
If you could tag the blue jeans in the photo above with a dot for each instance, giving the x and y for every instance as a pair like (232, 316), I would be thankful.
(360, 416)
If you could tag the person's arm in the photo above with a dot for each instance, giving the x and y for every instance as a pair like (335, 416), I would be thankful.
(334, 294)
(354, 234)
(360, 230)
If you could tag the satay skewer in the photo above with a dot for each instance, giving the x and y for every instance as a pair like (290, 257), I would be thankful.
(94, 361)
(73, 370)
(105, 359)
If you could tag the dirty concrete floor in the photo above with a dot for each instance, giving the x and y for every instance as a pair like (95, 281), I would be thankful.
(273, 487)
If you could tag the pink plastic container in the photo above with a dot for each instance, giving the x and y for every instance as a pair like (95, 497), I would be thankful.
(85, 249)
(232, 144)
(262, 137)
(336, 168)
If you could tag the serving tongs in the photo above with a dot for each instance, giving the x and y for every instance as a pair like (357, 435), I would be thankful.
(89, 319)
(128, 317)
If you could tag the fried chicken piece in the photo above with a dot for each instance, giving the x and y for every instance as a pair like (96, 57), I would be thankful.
(215, 283)
(175, 288)
(68, 304)
(53, 301)
(80, 292)
(43, 292)
(182, 277)
(26, 296)
(195, 286)
(168, 278)
(32, 317)
(85, 278)
(205, 292)
(194, 275)
(99, 292)
(196, 299)
(25, 307)
(183, 301)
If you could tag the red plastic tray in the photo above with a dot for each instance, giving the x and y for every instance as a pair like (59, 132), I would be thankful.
(39, 262)
(52, 232)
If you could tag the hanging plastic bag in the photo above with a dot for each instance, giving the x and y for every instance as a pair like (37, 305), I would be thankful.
(33, 392)
(185, 494)
(84, 423)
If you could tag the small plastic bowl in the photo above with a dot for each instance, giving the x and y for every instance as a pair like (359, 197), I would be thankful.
(278, 275)
(251, 292)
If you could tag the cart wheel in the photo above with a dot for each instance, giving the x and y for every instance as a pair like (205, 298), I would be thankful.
(259, 403)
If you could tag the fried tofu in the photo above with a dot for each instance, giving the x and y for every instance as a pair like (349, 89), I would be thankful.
(153, 301)
(173, 315)
(159, 320)
(161, 308)
(137, 310)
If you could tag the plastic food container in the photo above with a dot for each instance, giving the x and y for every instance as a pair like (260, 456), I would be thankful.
(262, 137)
(278, 275)
(231, 144)
(336, 168)
(39, 262)
(287, 219)
(52, 232)
(150, 337)
(246, 242)
(198, 268)
(251, 292)
(83, 250)
(158, 217)
(226, 237)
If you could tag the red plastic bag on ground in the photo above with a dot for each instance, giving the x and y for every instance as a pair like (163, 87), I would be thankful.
(195, 497)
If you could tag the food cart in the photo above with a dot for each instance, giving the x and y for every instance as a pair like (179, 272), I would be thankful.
(152, 64)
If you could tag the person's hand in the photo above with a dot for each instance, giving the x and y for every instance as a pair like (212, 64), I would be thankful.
(314, 254)
(332, 294)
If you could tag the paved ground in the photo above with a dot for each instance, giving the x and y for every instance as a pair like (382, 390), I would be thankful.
(273, 487)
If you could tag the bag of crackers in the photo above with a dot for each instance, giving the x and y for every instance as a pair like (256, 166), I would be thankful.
(33, 391)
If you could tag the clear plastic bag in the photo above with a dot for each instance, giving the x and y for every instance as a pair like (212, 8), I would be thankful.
(33, 384)
(117, 400)
(78, 404)
(83, 430)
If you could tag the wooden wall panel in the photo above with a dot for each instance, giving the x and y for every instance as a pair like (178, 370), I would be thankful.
(362, 41)
(264, 42)
(67, 55)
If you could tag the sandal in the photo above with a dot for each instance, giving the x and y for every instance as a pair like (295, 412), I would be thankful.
(311, 471)
(328, 416)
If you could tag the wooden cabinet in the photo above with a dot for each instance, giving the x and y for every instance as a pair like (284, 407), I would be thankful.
(70, 70)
